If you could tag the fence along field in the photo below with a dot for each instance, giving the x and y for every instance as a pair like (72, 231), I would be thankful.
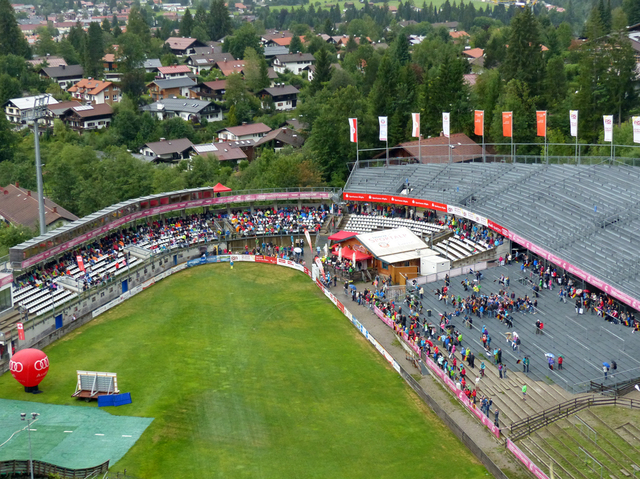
(251, 372)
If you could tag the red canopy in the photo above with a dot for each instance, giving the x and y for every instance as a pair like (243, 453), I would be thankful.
(348, 254)
(219, 188)
(342, 236)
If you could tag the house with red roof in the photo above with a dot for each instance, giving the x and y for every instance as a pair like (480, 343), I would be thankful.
(95, 92)
(174, 71)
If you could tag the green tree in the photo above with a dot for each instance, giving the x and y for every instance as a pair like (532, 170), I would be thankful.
(11, 235)
(555, 83)
(45, 44)
(495, 51)
(237, 95)
(400, 48)
(8, 139)
(518, 100)
(218, 21)
(67, 52)
(383, 93)
(351, 45)
(524, 56)
(199, 32)
(106, 25)
(93, 51)
(255, 70)
(9, 88)
(488, 89)
(11, 38)
(243, 38)
(322, 72)
(632, 10)
(186, 25)
(296, 45)
(137, 25)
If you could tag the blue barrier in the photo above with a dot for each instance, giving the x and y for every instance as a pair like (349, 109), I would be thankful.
(114, 400)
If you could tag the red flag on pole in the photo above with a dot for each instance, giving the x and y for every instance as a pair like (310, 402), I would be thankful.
(541, 121)
(20, 327)
(478, 122)
(80, 262)
(353, 130)
(507, 124)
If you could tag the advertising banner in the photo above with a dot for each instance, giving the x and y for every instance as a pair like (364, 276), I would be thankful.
(608, 127)
(353, 130)
(573, 121)
(636, 129)
(507, 124)
(541, 123)
(535, 470)
(446, 120)
(415, 130)
(478, 122)
(20, 328)
(382, 120)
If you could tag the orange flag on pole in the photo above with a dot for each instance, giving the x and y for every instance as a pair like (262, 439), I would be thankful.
(541, 121)
(478, 122)
(507, 124)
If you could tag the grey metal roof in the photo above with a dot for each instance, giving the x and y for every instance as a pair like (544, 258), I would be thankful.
(273, 51)
(64, 71)
(152, 63)
(187, 105)
(175, 83)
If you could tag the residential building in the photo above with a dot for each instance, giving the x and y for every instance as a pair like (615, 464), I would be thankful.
(200, 63)
(56, 110)
(271, 52)
(51, 61)
(159, 89)
(187, 109)
(15, 108)
(280, 138)
(109, 62)
(253, 131)
(167, 151)
(183, 46)
(210, 90)
(64, 75)
(20, 207)
(151, 65)
(284, 97)
(439, 149)
(174, 71)
(294, 62)
(88, 117)
(229, 67)
(226, 151)
(475, 56)
(95, 92)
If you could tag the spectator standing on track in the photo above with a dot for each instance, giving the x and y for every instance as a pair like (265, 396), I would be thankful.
(525, 364)
(495, 416)
(560, 361)
(524, 392)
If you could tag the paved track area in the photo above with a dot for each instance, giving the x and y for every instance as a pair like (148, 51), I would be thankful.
(585, 341)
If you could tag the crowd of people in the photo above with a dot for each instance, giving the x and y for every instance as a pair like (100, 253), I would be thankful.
(271, 221)
(159, 236)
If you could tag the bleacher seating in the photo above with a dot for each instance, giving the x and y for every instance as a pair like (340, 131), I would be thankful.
(585, 214)
(369, 223)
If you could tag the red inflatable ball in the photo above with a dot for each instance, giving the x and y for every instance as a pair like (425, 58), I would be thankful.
(29, 367)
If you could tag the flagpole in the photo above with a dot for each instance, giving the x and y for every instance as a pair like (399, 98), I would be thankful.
(484, 152)
(386, 142)
(419, 148)
(449, 144)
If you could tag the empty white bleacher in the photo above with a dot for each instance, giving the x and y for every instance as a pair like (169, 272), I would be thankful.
(369, 223)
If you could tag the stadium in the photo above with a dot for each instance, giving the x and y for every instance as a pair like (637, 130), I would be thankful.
(145, 284)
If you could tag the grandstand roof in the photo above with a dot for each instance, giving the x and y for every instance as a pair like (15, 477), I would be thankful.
(20, 206)
(583, 218)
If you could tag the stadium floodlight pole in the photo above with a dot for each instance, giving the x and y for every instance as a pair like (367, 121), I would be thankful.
(36, 114)
(24, 417)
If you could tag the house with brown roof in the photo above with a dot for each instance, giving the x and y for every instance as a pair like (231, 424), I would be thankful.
(88, 117)
(52, 61)
(229, 67)
(167, 151)
(475, 56)
(280, 138)
(56, 110)
(232, 151)
(20, 207)
(253, 131)
(183, 46)
(109, 62)
(210, 90)
(95, 92)
(200, 63)
(437, 150)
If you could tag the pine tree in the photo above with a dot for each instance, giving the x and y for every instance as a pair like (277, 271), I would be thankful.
(93, 51)
(383, 93)
(296, 45)
(11, 38)
(524, 55)
(137, 25)
(218, 20)
(186, 25)
(323, 71)
(400, 48)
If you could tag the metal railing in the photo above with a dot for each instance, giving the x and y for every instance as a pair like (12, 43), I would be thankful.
(618, 389)
(21, 467)
(523, 428)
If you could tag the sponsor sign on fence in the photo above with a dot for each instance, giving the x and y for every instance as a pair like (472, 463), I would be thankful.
(535, 470)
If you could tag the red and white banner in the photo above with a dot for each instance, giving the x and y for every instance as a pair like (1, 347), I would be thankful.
(608, 127)
(340, 253)
(382, 120)
(507, 124)
(522, 457)
(478, 122)
(573, 120)
(321, 268)
(353, 258)
(353, 130)
(415, 130)
(20, 328)
(446, 127)
(636, 129)
(306, 235)
(80, 262)
(541, 122)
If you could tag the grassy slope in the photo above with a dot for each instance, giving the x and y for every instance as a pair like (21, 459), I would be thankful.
(253, 373)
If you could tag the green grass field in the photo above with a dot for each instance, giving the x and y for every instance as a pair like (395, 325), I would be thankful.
(252, 372)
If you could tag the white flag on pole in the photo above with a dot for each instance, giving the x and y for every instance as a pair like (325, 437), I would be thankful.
(353, 257)
(353, 130)
(636, 129)
(383, 127)
(415, 131)
(340, 253)
(608, 127)
(573, 120)
(445, 123)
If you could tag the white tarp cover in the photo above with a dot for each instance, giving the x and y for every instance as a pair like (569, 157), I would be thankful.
(388, 245)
